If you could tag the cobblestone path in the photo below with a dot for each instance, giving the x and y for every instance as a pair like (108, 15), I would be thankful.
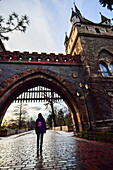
(61, 151)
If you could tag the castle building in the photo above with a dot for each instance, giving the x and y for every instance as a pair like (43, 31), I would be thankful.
(94, 43)
(2, 48)
(83, 77)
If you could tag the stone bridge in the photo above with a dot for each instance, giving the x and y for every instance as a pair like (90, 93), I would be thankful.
(61, 73)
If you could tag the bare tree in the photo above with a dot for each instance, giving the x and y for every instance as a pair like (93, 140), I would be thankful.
(51, 103)
(14, 22)
(20, 113)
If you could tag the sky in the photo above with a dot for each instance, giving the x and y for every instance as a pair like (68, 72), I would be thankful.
(49, 20)
(33, 109)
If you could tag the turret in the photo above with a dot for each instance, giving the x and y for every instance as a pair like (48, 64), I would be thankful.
(104, 20)
(2, 47)
(66, 41)
(75, 16)
(82, 27)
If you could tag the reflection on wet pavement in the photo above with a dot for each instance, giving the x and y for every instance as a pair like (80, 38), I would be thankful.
(60, 151)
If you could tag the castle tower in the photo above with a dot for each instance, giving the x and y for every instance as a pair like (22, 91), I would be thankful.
(94, 43)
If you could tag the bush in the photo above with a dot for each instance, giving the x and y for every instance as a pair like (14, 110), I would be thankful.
(3, 128)
(98, 136)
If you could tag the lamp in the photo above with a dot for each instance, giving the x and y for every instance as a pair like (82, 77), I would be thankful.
(85, 91)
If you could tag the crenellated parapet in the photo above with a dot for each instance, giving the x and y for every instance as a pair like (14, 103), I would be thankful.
(42, 58)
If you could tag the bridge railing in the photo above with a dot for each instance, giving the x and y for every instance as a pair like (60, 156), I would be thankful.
(39, 58)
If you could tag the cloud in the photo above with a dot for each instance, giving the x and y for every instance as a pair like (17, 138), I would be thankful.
(35, 108)
(49, 19)
(42, 33)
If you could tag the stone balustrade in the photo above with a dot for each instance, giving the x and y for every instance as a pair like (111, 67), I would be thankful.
(12, 131)
(64, 128)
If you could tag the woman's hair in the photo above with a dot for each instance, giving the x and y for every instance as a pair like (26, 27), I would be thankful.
(39, 115)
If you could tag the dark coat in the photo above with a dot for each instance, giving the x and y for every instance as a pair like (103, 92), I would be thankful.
(42, 128)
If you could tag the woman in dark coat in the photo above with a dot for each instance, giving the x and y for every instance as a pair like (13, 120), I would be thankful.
(40, 128)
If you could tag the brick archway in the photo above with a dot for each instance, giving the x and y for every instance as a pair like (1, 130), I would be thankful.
(22, 81)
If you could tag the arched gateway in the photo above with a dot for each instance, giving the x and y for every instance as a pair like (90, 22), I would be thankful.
(61, 73)
(88, 60)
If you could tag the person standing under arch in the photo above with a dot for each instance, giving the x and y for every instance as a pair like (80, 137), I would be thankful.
(40, 128)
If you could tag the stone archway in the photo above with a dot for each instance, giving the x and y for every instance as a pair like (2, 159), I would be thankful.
(17, 84)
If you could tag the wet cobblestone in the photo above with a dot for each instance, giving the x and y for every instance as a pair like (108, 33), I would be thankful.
(61, 151)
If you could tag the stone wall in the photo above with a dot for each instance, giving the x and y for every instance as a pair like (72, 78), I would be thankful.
(98, 47)
(12, 132)
(94, 42)
(64, 128)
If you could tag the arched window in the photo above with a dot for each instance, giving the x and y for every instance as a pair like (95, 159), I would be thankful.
(111, 66)
(104, 69)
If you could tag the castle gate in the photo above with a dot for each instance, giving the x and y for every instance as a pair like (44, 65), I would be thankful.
(61, 73)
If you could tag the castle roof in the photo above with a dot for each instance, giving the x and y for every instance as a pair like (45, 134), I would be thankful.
(105, 20)
(76, 17)
(2, 48)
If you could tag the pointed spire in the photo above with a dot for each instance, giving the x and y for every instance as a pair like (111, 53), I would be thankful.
(77, 17)
(103, 18)
(66, 38)
(66, 41)
(76, 9)
(73, 13)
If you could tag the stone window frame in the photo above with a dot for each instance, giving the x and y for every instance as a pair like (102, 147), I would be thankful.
(111, 67)
(107, 64)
